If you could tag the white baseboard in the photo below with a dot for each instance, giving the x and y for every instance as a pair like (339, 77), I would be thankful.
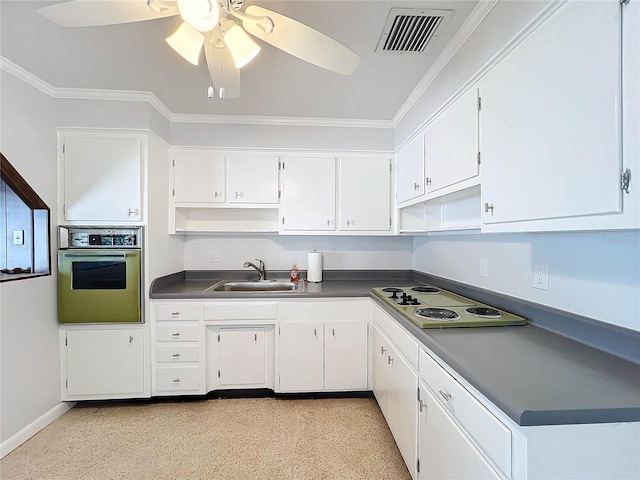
(34, 427)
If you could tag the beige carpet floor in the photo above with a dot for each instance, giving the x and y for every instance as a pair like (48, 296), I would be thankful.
(255, 438)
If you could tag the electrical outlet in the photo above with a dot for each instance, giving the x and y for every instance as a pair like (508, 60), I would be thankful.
(541, 277)
(484, 267)
(213, 256)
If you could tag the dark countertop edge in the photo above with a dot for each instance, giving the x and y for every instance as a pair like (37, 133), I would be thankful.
(522, 417)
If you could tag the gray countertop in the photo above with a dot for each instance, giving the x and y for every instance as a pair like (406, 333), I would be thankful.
(533, 375)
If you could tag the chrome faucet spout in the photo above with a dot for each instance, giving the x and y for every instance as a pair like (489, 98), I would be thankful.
(260, 269)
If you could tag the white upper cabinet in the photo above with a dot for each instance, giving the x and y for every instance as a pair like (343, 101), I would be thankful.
(451, 143)
(551, 120)
(309, 194)
(210, 177)
(365, 194)
(410, 179)
(198, 177)
(102, 177)
(252, 179)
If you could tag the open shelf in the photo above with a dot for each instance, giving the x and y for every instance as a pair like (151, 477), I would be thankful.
(243, 220)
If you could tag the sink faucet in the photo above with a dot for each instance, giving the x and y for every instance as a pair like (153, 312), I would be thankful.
(261, 270)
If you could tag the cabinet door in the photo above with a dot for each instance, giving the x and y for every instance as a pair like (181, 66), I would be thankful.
(300, 356)
(380, 370)
(550, 120)
(309, 199)
(242, 356)
(445, 451)
(403, 407)
(102, 179)
(410, 170)
(365, 191)
(252, 179)
(451, 143)
(104, 362)
(345, 358)
(198, 177)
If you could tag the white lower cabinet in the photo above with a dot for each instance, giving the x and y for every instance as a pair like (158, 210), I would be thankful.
(239, 339)
(394, 381)
(323, 345)
(102, 363)
(300, 354)
(241, 358)
(445, 451)
(178, 354)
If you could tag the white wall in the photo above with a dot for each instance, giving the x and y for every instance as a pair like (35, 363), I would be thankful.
(592, 274)
(29, 357)
(295, 137)
(279, 252)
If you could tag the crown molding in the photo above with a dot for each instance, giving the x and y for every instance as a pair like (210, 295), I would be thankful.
(282, 121)
(468, 27)
(132, 96)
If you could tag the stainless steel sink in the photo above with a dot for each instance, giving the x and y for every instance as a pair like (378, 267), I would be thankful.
(257, 286)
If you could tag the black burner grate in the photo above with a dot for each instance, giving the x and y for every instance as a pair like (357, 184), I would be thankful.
(485, 312)
(425, 289)
(441, 314)
(392, 290)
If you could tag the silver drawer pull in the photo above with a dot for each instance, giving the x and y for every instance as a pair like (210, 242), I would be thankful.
(389, 359)
(445, 395)
(175, 380)
(176, 334)
(175, 314)
(383, 350)
(176, 355)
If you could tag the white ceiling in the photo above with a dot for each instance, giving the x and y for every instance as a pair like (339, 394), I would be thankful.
(135, 57)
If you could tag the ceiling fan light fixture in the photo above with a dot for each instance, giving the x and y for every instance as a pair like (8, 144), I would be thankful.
(203, 15)
(187, 42)
(242, 48)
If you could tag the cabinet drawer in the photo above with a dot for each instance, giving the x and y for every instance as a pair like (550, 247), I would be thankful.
(178, 353)
(170, 379)
(240, 311)
(184, 311)
(483, 427)
(177, 333)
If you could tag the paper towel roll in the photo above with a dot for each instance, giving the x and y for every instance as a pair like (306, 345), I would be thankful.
(314, 266)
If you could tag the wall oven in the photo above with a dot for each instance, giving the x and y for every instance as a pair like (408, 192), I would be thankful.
(100, 275)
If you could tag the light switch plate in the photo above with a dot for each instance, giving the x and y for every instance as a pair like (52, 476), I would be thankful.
(18, 237)
(484, 267)
(213, 256)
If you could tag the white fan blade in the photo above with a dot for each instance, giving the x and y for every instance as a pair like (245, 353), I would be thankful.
(187, 42)
(302, 41)
(222, 70)
(89, 13)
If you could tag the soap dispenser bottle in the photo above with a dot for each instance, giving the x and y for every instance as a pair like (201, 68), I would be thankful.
(294, 273)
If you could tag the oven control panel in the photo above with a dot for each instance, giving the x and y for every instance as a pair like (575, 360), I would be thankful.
(100, 237)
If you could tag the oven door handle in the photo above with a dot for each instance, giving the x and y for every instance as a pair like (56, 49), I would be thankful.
(89, 255)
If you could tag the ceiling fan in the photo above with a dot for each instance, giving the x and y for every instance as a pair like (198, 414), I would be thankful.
(219, 27)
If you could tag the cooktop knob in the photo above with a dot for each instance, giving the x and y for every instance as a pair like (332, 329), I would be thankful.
(394, 296)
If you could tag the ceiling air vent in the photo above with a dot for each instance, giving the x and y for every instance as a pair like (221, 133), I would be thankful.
(411, 30)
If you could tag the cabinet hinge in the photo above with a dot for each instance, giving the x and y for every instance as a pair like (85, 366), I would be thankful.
(625, 180)
(479, 158)
(64, 147)
(173, 192)
(218, 373)
(66, 384)
(173, 162)
(64, 209)
(218, 338)
(624, 2)
(389, 221)
(418, 393)
(65, 341)
(283, 220)
(418, 465)
(390, 166)
(282, 165)
(279, 194)
(479, 103)
(278, 330)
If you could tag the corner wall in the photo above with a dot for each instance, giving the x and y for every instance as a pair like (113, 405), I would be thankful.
(29, 353)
